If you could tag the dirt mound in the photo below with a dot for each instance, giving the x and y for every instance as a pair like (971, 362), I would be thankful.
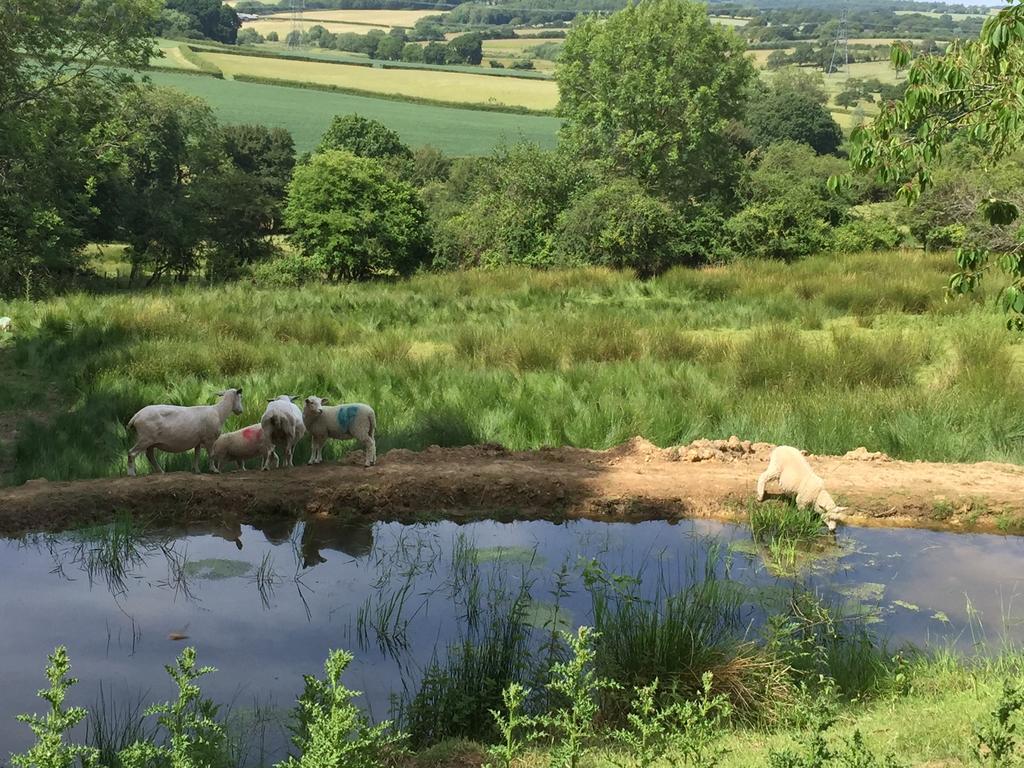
(863, 454)
(635, 480)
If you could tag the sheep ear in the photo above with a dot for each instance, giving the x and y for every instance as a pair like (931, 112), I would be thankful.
(239, 390)
(293, 398)
(271, 399)
(220, 394)
(324, 401)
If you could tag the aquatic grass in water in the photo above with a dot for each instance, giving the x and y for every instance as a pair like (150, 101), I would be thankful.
(588, 357)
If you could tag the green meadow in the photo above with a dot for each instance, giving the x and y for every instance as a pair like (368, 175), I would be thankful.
(307, 113)
(829, 354)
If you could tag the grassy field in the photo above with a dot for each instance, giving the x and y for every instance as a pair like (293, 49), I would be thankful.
(828, 354)
(307, 113)
(455, 87)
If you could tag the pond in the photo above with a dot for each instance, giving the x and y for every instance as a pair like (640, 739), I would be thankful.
(264, 605)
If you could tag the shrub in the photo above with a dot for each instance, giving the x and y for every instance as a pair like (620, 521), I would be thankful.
(620, 225)
(363, 137)
(860, 235)
(249, 36)
(352, 219)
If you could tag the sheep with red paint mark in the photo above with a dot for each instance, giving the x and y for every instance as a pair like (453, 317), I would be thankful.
(349, 421)
(240, 446)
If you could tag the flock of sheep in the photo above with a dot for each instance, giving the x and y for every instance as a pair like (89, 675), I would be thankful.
(176, 429)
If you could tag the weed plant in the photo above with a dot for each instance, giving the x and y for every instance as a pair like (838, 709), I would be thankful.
(808, 354)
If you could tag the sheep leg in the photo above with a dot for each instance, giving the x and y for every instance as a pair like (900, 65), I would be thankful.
(214, 464)
(318, 445)
(288, 447)
(767, 476)
(132, 453)
(151, 455)
(241, 465)
(195, 459)
(369, 447)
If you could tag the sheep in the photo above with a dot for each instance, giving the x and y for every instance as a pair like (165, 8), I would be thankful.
(788, 465)
(240, 445)
(283, 425)
(6, 324)
(179, 428)
(342, 422)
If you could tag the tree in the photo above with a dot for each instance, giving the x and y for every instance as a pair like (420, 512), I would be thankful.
(249, 36)
(412, 52)
(434, 53)
(272, 36)
(791, 109)
(211, 18)
(789, 212)
(56, 85)
(155, 188)
(390, 48)
(363, 137)
(652, 89)
(620, 225)
(246, 197)
(351, 219)
(465, 49)
(973, 94)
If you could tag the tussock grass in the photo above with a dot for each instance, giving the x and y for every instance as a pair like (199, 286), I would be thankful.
(585, 357)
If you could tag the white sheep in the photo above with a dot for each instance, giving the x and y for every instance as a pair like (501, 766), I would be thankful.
(6, 324)
(240, 445)
(179, 428)
(788, 465)
(283, 425)
(342, 422)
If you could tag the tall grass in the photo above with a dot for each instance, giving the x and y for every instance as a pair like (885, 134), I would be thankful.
(676, 636)
(828, 354)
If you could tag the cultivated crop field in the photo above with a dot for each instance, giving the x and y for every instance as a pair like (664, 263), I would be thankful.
(456, 87)
(382, 19)
(307, 113)
(283, 25)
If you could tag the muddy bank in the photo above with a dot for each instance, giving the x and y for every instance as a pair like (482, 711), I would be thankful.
(636, 480)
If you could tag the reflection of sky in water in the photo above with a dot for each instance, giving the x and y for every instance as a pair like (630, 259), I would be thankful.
(261, 647)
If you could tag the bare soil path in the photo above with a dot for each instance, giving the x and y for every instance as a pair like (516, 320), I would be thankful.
(634, 481)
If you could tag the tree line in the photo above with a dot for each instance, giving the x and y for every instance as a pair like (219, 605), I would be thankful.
(672, 152)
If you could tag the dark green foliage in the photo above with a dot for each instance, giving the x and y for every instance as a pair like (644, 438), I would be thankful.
(651, 90)
(352, 219)
(363, 137)
(465, 49)
(156, 194)
(857, 235)
(503, 210)
(50, 102)
(791, 109)
(210, 18)
(789, 210)
(620, 225)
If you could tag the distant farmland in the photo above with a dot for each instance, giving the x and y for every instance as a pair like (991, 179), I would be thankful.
(456, 87)
(307, 113)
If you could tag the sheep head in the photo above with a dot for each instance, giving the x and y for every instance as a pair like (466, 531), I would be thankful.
(314, 405)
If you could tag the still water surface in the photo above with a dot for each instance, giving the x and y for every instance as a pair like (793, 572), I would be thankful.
(395, 595)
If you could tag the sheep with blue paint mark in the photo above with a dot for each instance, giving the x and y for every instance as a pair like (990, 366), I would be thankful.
(349, 421)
